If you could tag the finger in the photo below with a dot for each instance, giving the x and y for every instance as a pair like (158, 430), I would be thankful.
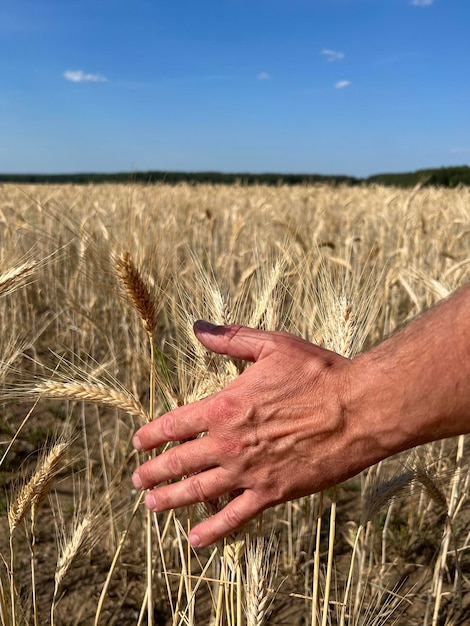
(236, 341)
(181, 423)
(178, 461)
(233, 516)
(203, 487)
(253, 345)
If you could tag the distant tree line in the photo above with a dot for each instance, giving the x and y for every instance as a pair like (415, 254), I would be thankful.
(439, 177)
(151, 177)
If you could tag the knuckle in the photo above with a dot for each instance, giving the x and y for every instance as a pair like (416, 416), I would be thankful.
(233, 518)
(162, 500)
(174, 462)
(197, 490)
(167, 424)
(145, 475)
(231, 447)
(272, 494)
(270, 489)
(224, 407)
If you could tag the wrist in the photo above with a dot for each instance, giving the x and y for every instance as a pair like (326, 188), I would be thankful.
(376, 409)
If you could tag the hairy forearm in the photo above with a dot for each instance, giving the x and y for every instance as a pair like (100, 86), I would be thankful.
(415, 386)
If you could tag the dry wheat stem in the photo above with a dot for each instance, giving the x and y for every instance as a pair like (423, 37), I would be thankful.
(17, 433)
(3, 606)
(329, 569)
(350, 576)
(316, 564)
(116, 556)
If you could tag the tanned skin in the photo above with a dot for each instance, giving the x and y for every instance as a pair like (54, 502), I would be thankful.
(301, 418)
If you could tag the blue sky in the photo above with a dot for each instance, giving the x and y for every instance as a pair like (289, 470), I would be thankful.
(321, 86)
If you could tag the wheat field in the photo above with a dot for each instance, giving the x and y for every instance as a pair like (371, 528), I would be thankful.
(99, 288)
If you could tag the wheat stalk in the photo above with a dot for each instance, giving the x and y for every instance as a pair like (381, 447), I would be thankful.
(138, 293)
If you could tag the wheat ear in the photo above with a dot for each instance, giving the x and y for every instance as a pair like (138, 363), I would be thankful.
(36, 489)
(379, 494)
(232, 556)
(260, 573)
(96, 393)
(15, 277)
(137, 291)
(427, 479)
(70, 548)
(68, 551)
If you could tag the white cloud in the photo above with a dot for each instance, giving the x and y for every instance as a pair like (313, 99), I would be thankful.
(341, 84)
(332, 55)
(422, 3)
(263, 76)
(79, 76)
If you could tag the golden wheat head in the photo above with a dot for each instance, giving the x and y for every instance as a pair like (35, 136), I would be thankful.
(137, 291)
(36, 489)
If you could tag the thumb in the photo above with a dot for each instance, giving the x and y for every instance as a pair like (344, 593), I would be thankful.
(236, 341)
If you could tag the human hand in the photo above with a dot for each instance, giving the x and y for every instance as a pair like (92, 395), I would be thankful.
(279, 431)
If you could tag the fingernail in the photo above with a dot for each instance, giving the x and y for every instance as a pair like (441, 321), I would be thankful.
(194, 540)
(150, 501)
(137, 443)
(204, 327)
(136, 480)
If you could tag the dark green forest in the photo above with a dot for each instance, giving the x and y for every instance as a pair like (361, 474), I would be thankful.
(438, 177)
